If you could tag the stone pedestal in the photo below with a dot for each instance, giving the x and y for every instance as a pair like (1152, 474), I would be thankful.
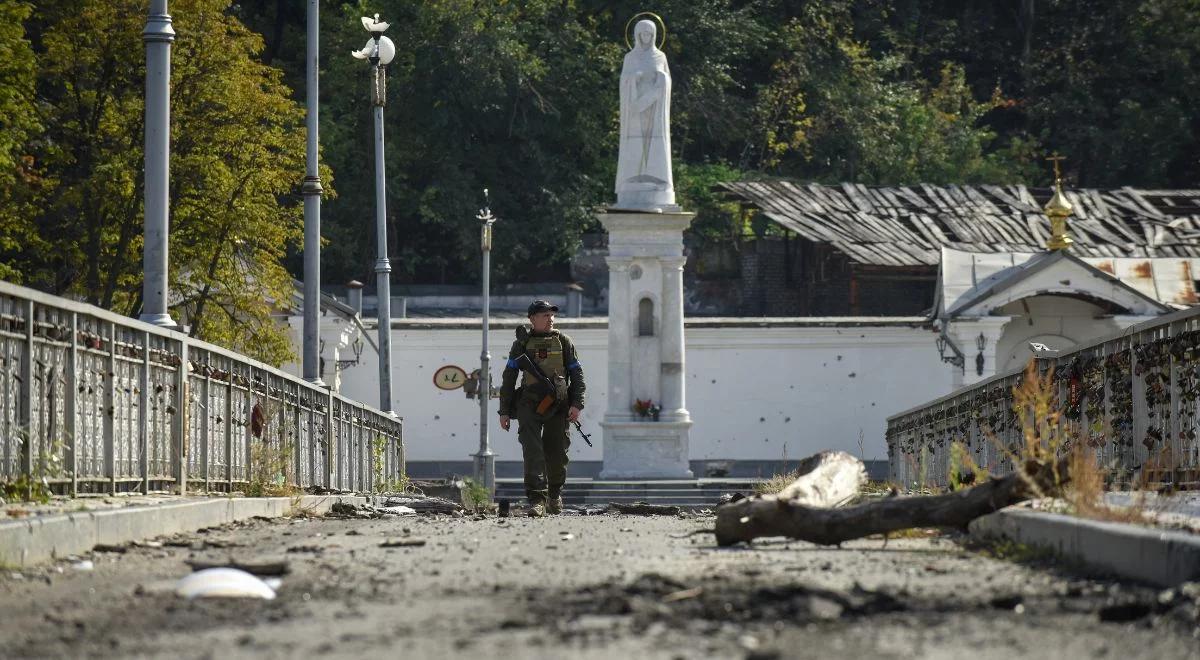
(645, 346)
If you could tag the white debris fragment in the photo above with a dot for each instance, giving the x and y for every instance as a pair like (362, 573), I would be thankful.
(223, 583)
(397, 510)
(84, 565)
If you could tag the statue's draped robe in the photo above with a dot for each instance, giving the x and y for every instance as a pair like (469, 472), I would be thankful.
(644, 161)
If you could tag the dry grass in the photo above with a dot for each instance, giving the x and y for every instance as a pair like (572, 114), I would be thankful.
(910, 533)
(1046, 438)
(296, 510)
(1043, 435)
(776, 483)
(272, 472)
(964, 471)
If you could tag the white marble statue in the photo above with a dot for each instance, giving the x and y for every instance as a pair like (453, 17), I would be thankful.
(644, 179)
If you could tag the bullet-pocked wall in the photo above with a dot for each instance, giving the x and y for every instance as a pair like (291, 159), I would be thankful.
(757, 389)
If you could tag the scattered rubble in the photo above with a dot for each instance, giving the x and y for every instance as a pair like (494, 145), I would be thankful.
(585, 509)
(262, 567)
(395, 505)
(421, 504)
(314, 549)
(397, 510)
(347, 510)
(645, 509)
(585, 598)
(402, 543)
(106, 547)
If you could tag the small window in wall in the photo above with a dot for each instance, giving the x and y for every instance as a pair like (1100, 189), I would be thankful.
(646, 318)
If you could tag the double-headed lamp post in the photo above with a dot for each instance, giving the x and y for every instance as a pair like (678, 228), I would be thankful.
(485, 460)
(380, 50)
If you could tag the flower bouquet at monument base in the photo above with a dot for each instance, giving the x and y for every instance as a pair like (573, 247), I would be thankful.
(646, 408)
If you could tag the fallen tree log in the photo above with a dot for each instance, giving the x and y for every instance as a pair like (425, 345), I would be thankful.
(758, 517)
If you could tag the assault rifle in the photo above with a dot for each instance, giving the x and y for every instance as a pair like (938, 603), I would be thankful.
(586, 438)
(525, 364)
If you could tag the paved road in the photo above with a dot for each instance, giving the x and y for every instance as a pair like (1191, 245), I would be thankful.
(584, 587)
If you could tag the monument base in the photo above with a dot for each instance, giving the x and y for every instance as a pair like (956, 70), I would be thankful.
(647, 198)
(646, 450)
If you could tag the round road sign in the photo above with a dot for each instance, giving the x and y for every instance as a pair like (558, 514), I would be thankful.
(449, 377)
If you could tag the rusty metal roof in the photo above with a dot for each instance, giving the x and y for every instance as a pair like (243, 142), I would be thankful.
(908, 225)
(1150, 285)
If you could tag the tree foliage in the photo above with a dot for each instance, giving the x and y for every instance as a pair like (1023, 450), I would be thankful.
(237, 155)
(18, 123)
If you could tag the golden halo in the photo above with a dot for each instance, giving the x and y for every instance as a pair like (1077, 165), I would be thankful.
(661, 26)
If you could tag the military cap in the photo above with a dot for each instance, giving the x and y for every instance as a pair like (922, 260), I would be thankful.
(541, 306)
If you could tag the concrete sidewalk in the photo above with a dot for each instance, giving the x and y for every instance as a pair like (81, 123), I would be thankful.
(37, 538)
(1154, 555)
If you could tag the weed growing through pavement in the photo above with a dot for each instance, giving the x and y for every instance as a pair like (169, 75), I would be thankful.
(47, 465)
(477, 496)
(298, 510)
(878, 488)
(401, 484)
(910, 533)
(378, 447)
(964, 471)
(272, 468)
(1046, 439)
(1016, 552)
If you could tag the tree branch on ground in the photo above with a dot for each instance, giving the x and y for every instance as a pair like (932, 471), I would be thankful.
(758, 517)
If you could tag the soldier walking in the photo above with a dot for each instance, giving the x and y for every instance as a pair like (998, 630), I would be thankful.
(544, 408)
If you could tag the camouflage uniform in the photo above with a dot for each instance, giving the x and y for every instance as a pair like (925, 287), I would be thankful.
(545, 438)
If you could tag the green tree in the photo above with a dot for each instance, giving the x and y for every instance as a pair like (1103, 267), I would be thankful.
(506, 96)
(837, 111)
(19, 181)
(237, 155)
(1114, 86)
(520, 98)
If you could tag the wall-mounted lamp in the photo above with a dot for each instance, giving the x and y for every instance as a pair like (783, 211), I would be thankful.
(955, 358)
(356, 346)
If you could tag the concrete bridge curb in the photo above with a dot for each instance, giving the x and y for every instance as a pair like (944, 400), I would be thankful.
(28, 541)
(1158, 556)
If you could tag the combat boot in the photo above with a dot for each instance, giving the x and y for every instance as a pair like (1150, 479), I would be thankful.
(554, 504)
(537, 510)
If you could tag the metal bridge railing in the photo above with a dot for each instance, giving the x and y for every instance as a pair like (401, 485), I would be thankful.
(1133, 397)
(94, 402)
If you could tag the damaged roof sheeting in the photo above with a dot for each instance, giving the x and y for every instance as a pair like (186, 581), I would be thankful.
(908, 225)
(971, 282)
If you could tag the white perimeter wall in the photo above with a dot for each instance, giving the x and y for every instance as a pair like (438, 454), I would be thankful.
(755, 389)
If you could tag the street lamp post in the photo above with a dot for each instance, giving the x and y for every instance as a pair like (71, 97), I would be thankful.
(158, 36)
(311, 190)
(380, 50)
(485, 460)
